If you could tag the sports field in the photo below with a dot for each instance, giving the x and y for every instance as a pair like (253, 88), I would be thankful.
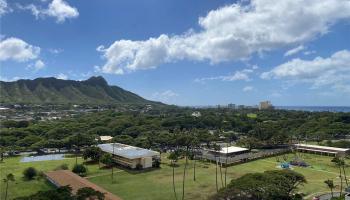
(157, 184)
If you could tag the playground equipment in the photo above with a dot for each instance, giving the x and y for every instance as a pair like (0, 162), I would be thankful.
(285, 165)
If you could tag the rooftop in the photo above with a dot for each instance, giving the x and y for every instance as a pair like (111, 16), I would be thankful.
(105, 137)
(322, 147)
(127, 151)
(232, 149)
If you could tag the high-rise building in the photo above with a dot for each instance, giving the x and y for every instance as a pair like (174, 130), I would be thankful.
(231, 106)
(263, 105)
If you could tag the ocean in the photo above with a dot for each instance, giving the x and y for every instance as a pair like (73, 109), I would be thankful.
(316, 108)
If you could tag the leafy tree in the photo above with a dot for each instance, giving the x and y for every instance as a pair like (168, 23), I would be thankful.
(107, 159)
(61, 193)
(7, 179)
(270, 185)
(79, 140)
(93, 153)
(29, 173)
(80, 169)
(89, 193)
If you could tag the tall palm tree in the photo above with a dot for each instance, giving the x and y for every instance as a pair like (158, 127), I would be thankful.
(184, 174)
(216, 148)
(112, 163)
(338, 163)
(330, 185)
(9, 177)
(173, 157)
(226, 163)
(194, 147)
(343, 164)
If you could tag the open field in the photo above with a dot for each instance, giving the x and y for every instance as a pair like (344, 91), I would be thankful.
(157, 184)
(252, 115)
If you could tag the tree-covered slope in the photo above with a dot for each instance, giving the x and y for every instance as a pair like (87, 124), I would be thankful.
(95, 90)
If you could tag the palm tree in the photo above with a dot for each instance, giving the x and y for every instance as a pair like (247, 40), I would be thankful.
(330, 185)
(338, 163)
(216, 148)
(195, 144)
(184, 174)
(173, 157)
(226, 164)
(343, 164)
(9, 177)
(112, 163)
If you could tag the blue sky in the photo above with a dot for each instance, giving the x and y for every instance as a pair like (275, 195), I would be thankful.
(199, 52)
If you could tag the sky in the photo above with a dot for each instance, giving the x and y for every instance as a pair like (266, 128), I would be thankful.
(190, 53)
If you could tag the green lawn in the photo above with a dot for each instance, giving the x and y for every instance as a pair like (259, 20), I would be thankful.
(252, 115)
(22, 187)
(157, 184)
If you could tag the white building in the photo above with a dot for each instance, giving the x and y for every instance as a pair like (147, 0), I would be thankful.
(322, 149)
(130, 156)
(196, 114)
(105, 138)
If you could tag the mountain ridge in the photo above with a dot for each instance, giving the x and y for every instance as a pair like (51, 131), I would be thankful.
(94, 90)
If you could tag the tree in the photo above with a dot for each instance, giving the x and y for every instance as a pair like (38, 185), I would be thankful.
(80, 169)
(216, 149)
(343, 164)
(107, 159)
(339, 163)
(271, 185)
(174, 156)
(330, 185)
(9, 177)
(194, 147)
(93, 153)
(88, 193)
(79, 140)
(61, 193)
(29, 173)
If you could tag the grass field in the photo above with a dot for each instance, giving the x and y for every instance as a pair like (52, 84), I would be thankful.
(252, 115)
(157, 184)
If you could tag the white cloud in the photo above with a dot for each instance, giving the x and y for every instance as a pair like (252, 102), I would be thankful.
(294, 50)
(39, 64)
(2, 78)
(4, 8)
(165, 96)
(332, 71)
(232, 32)
(55, 51)
(17, 50)
(238, 75)
(61, 10)
(248, 88)
(58, 9)
(62, 76)
(309, 52)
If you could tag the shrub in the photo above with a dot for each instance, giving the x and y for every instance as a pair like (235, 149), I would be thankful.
(89, 193)
(29, 173)
(80, 169)
(64, 166)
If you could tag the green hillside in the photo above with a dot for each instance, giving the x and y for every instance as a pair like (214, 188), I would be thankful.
(94, 90)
